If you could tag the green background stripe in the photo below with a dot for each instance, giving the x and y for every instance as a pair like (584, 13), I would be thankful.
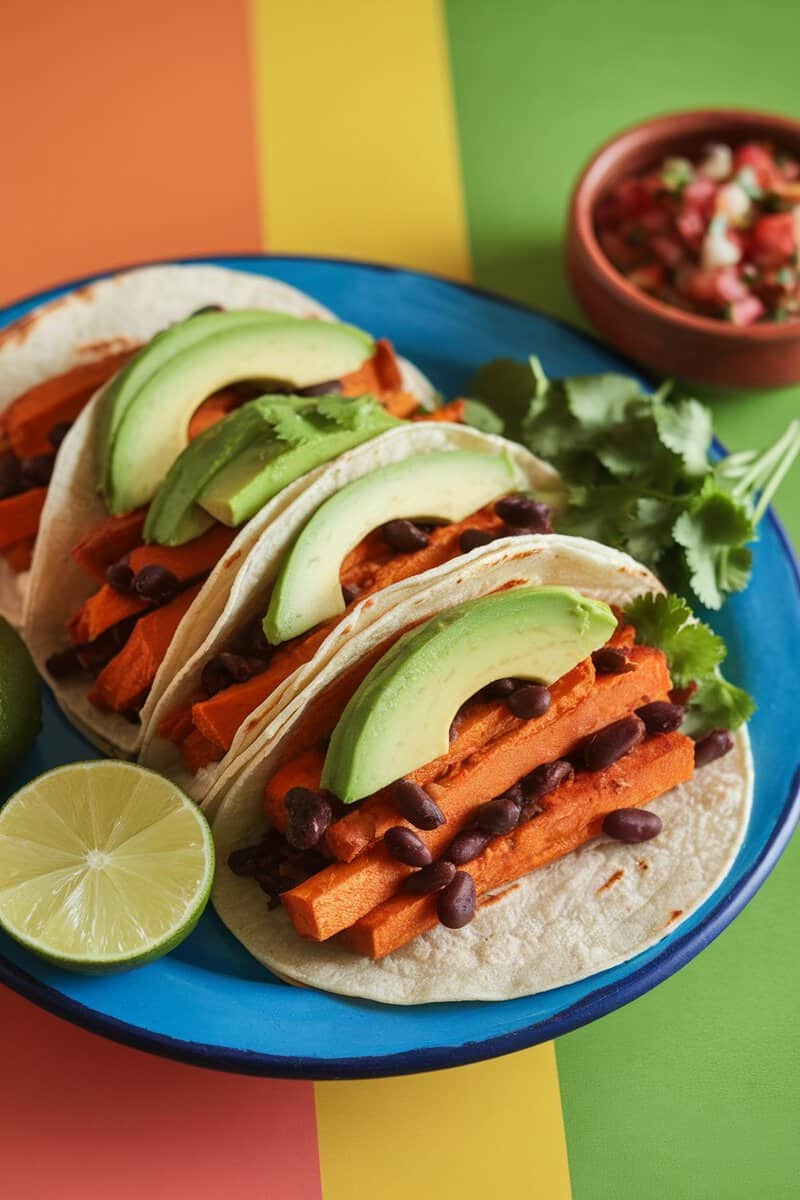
(693, 1091)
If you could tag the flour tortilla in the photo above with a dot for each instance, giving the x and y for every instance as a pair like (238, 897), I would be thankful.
(57, 586)
(247, 597)
(599, 906)
(109, 317)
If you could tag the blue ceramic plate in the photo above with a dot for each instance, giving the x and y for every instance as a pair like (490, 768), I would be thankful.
(208, 1002)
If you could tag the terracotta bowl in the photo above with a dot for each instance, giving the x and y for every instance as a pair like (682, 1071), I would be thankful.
(667, 339)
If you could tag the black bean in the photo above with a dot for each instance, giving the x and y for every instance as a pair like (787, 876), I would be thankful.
(498, 816)
(514, 531)
(120, 576)
(500, 689)
(10, 476)
(251, 641)
(214, 678)
(529, 700)
(93, 656)
(207, 308)
(529, 810)
(546, 778)
(712, 746)
(132, 716)
(63, 663)
(404, 845)
(37, 470)
(156, 584)
(350, 593)
(328, 387)
(238, 667)
(310, 814)
(414, 803)
(525, 512)
(404, 536)
(58, 432)
(610, 660)
(608, 745)
(471, 539)
(456, 904)
(243, 862)
(632, 824)
(467, 845)
(432, 878)
(661, 717)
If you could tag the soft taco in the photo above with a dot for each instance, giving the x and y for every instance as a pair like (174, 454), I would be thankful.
(56, 357)
(486, 793)
(166, 480)
(340, 555)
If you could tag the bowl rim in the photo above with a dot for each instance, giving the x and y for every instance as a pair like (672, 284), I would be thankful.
(584, 199)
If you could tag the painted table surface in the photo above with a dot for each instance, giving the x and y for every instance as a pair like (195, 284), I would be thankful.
(446, 139)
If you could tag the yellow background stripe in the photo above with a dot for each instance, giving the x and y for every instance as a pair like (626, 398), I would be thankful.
(493, 1130)
(358, 157)
(357, 132)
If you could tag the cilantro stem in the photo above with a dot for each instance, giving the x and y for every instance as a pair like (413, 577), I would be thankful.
(761, 469)
(770, 486)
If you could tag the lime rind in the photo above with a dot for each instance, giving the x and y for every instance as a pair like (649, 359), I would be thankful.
(103, 865)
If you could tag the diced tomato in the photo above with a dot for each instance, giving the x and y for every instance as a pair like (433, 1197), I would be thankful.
(691, 225)
(698, 285)
(729, 286)
(718, 245)
(668, 249)
(774, 239)
(700, 195)
(633, 196)
(658, 220)
(761, 162)
(746, 311)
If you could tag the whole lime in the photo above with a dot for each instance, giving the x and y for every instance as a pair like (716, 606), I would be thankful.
(20, 700)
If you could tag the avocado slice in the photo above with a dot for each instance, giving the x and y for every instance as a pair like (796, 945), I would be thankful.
(439, 486)
(399, 718)
(241, 462)
(159, 350)
(152, 431)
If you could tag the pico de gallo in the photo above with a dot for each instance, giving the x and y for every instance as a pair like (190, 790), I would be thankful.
(718, 236)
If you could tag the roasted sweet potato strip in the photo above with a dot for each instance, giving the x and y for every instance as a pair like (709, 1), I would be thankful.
(19, 516)
(30, 418)
(219, 718)
(108, 541)
(336, 897)
(126, 680)
(572, 815)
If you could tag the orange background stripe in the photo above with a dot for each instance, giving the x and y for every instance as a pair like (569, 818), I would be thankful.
(127, 135)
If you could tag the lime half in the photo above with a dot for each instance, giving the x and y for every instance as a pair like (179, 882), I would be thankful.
(102, 865)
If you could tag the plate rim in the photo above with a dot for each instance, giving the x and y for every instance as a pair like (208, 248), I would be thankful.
(606, 999)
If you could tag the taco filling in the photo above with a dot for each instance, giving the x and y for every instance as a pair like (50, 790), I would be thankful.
(330, 568)
(32, 429)
(374, 840)
(177, 495)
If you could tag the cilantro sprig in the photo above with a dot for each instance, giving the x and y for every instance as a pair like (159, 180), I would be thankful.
(694, 653)
(638, 470)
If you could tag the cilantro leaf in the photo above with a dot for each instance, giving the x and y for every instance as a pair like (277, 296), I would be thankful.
(717, 704)
(713, 531)
(507, 387)
(601, 401)
(692, 650)
(480, 416)
(637, 469)
(694, 653)
(685, 428)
